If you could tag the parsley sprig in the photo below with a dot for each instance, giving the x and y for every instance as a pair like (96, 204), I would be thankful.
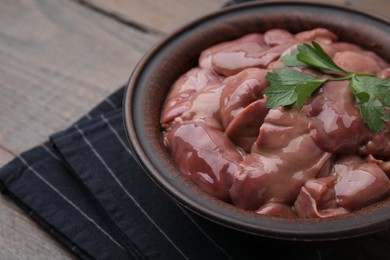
(288, 86)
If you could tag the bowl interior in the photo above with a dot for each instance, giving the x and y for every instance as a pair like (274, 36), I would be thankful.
(155, 74)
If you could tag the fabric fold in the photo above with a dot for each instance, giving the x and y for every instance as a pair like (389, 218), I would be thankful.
(41, 184)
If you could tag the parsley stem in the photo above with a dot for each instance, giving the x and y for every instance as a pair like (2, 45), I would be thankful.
(365, 74)
(340, 79)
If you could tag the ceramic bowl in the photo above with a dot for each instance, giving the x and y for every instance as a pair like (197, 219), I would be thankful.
(177, 53)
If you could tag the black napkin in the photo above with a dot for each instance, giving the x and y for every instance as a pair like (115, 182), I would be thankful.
(84, 187)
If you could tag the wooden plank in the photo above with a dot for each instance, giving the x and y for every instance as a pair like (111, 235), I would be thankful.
(381, 7)
(160, 16)
(58, 60)
(167, 15)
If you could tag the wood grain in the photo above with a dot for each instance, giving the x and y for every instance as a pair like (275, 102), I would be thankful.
(59, 59)
(167, 15)
(158, 16)
(381, 7)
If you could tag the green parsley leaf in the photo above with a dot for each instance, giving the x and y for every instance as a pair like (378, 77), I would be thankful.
(374, 114)
(378, 87)
(291, 60)
(288, 86)
(306, 89)
(316, 57)
(371, 95)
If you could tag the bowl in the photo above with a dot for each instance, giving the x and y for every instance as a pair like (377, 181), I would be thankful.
(157, 71)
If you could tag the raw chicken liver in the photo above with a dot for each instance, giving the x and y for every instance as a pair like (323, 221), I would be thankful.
(319, 162)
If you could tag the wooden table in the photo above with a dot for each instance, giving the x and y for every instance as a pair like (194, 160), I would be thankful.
(58, 59)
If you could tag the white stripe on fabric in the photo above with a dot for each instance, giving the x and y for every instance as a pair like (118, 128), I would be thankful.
(116, 134)
(127, 193)
(51, 153)
(191, 219)
(204, 233)
(68, 200)
(88, 116)
(110, 102)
